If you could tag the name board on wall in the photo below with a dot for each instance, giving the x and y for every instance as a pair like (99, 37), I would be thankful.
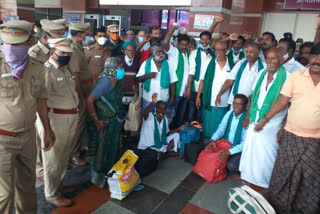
(302, 4)
(73, 17)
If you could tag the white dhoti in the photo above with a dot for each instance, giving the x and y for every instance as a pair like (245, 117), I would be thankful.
(258, 155)
(176, 141)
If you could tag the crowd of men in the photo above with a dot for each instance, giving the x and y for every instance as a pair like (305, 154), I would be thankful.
(258, 93)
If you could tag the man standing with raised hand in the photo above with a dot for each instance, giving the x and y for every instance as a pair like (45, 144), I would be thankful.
(179, 58)
(260, 148)
(210, 85)
(243, 74)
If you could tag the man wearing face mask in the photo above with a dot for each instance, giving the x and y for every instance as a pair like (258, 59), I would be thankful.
(114, 41)
(63, 102)
(210, 85)
(236, 53)
(131, 36)
(288, 47)
(23, 93)
(158, 76)
(79, 67)
(97, 54)
(41, 53)
(131, 64)
(198, 62)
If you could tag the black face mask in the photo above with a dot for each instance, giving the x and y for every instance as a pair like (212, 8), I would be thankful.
(63, 60)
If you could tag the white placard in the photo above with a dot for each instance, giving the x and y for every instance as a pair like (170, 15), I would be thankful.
(202, 22)
(146, 2)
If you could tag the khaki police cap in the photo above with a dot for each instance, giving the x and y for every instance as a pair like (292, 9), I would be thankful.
(16, 31)
(62, 44)
(80, 26)
(60, 21)
(216, 37)
(113, 28)
(130, 32)
(55, 30)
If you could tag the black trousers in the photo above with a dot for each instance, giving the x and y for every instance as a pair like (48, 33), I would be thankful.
(147, 162)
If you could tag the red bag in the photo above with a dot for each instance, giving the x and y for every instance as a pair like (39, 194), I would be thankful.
(208, 166)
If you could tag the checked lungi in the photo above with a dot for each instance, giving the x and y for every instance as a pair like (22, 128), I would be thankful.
(295, 181)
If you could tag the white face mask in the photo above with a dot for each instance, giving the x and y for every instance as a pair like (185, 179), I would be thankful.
(102, 40)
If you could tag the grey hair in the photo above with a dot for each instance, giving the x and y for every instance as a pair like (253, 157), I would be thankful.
(112, 63)
(154, 47)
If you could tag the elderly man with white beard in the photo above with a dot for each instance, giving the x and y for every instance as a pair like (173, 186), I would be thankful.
(157, 76)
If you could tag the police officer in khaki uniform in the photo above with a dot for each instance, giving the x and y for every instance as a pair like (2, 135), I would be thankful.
(97, 54)
(63, 105)
(40, 52)
(22, 94)
(79, 68)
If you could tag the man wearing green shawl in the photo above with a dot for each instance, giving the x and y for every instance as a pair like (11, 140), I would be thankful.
(260, 148)
(179, 58)
(198, 62)
(155, 137)
(232, 130)
(210, 84)
(236, 53)
(243, 74)
(158, 76)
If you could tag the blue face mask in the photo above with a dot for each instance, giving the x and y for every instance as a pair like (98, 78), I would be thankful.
(140, 38)
(172, 40)
(118, 74)
(204, 48)
(86, 42)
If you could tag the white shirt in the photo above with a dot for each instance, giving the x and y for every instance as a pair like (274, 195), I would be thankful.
(276, 120)
(261, 55)
(248, 78)
(173, 58)
(220, 76)
(163, 93)
(205, 60)
(147, 131)
(292, 65)
(235, 57)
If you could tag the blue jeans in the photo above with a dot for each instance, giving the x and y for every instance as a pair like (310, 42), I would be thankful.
(179, 108)
(191, 104)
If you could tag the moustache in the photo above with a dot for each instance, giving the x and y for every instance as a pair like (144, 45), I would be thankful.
(316, 64)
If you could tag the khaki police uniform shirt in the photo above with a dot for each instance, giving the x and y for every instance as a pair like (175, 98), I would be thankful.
(18, 98)
(97, 56)
(61, 86)
(39, 52)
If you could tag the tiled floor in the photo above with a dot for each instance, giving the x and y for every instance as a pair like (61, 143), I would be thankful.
(172, 189)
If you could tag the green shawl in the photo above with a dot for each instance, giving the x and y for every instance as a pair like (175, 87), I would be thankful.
(240, 72)
(159, 141)
(208, 82)
(198, 63)
(230, 58)
(271, 96)
(237, 136)
(164, 72)
(179, 72)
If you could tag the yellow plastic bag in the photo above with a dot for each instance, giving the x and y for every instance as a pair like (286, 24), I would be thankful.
(122, 177)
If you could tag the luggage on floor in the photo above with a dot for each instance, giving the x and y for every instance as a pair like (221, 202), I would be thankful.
(246, 200)
(189, 134)
(192, 151)
(134, 117)
(122, 177)
(209, 166)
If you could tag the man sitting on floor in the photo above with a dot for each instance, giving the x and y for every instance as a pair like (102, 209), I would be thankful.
(231, 129)
(155, 137)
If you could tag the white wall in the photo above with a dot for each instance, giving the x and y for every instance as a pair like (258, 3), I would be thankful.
(300, 25)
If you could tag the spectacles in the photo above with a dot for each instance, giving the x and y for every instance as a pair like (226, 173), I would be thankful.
(204, 39)
(235, 103)
(220, 50)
